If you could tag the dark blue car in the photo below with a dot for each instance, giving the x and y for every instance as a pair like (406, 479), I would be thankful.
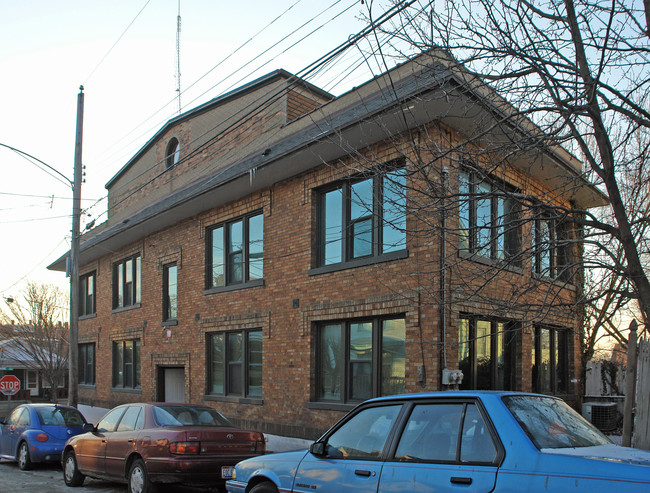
(456, 442)
(37, 432)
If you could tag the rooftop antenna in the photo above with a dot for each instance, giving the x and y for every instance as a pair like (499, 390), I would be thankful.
(178, 56)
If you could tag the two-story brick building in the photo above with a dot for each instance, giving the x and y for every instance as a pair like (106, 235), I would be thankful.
(282, 254)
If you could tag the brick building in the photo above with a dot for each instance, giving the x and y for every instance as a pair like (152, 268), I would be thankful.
(282, 254)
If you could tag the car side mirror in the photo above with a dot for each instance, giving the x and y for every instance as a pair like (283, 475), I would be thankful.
(317, 448)
(87, 427)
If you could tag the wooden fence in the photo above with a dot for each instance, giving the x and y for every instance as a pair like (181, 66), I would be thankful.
(641, 435)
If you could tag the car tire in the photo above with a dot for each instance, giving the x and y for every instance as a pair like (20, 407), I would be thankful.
(139, 478)
(265, 487)
(71, 474)
(24, 462)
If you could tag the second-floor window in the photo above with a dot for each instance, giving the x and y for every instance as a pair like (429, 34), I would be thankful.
(170, 292)
(87, 294)
(126, 282)
(126, 364)
(235, 251)
(551, 244)
(86, 364)
(487, 218)
(362, 217)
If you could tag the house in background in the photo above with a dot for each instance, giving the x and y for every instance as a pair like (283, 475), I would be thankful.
(283, 254)
(34, 385)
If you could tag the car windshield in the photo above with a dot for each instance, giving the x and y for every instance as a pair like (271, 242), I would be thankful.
(551, 423)
(188, 415)
(59, 416)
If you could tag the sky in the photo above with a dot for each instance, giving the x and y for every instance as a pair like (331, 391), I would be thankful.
(124, 53)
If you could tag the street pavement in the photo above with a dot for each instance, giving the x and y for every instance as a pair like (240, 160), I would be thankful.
(48, 478)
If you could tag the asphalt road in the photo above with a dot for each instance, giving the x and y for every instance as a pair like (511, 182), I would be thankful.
(49, 479)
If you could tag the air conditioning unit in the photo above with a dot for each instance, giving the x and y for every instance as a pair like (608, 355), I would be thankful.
(603, 415)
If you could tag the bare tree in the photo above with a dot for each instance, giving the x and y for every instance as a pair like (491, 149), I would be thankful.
(578, 71)
(36, 328)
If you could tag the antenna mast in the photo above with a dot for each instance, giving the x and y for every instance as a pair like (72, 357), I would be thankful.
(178, 56)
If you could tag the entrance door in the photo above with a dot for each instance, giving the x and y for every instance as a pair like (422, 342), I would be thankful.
(172, 384)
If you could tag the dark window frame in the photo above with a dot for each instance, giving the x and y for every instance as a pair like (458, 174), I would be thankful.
(120, 379)
(345, 377)
(378, 250)
(130, 291)
(86, 365)
(228, 370)
(169, 301)
(471, 369)
(554, 250)
(230, 281)
(504, 229)
(559, 352)
(172, 153)
(88, 294)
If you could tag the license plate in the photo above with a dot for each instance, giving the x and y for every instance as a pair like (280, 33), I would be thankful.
(227, 471)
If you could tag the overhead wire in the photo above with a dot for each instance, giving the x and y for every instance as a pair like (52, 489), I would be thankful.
(389, 14)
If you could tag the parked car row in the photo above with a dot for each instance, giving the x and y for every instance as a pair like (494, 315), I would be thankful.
(140, 444)
(443, 441)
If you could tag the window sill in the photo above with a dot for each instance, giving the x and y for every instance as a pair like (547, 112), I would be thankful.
(255, 401)
(125, 390)
(556, 282)
(87, 317)
(386, 257)
(332, 406)
(235, 287)
(169, 323)
(502, 264)
(125, 308)
(89, 386)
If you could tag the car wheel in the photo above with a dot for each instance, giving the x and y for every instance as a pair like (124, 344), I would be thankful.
(71, 474)
(24, 462)
(265, 487)
(139, 478)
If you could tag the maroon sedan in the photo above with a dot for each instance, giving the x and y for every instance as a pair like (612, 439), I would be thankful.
(159, 443)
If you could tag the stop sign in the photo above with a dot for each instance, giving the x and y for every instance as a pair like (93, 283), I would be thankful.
(9, 384)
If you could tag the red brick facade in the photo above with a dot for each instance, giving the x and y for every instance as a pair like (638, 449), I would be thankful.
(294, 298)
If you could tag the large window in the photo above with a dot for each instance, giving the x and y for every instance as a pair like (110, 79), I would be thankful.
(170, 292)
(550, 360)
(87, 294)
(357, 360)
(364, 217)
(488, 218)
(235, 363)
(126, 364)
(487, 350)
(235, 252)
(551, 246)
(86, 364)
(126, 282)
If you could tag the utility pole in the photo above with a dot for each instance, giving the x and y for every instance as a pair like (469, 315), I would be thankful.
(73, 356)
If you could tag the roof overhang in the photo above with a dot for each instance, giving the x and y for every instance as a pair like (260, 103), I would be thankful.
(362, 117)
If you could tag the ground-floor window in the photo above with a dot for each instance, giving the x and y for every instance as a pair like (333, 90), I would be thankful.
(487, 353)
(126, 364)
(86, 364)
(550, 360)
(360, 359)
(235, 363)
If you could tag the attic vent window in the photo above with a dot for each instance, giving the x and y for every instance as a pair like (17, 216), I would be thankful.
(173, 152)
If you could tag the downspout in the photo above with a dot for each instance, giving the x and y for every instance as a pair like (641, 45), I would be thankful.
(443, 268)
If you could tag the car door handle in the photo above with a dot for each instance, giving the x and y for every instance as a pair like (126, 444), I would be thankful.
(457, 480)
(362, 472)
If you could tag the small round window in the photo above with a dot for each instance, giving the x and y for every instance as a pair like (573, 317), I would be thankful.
(173, 152)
